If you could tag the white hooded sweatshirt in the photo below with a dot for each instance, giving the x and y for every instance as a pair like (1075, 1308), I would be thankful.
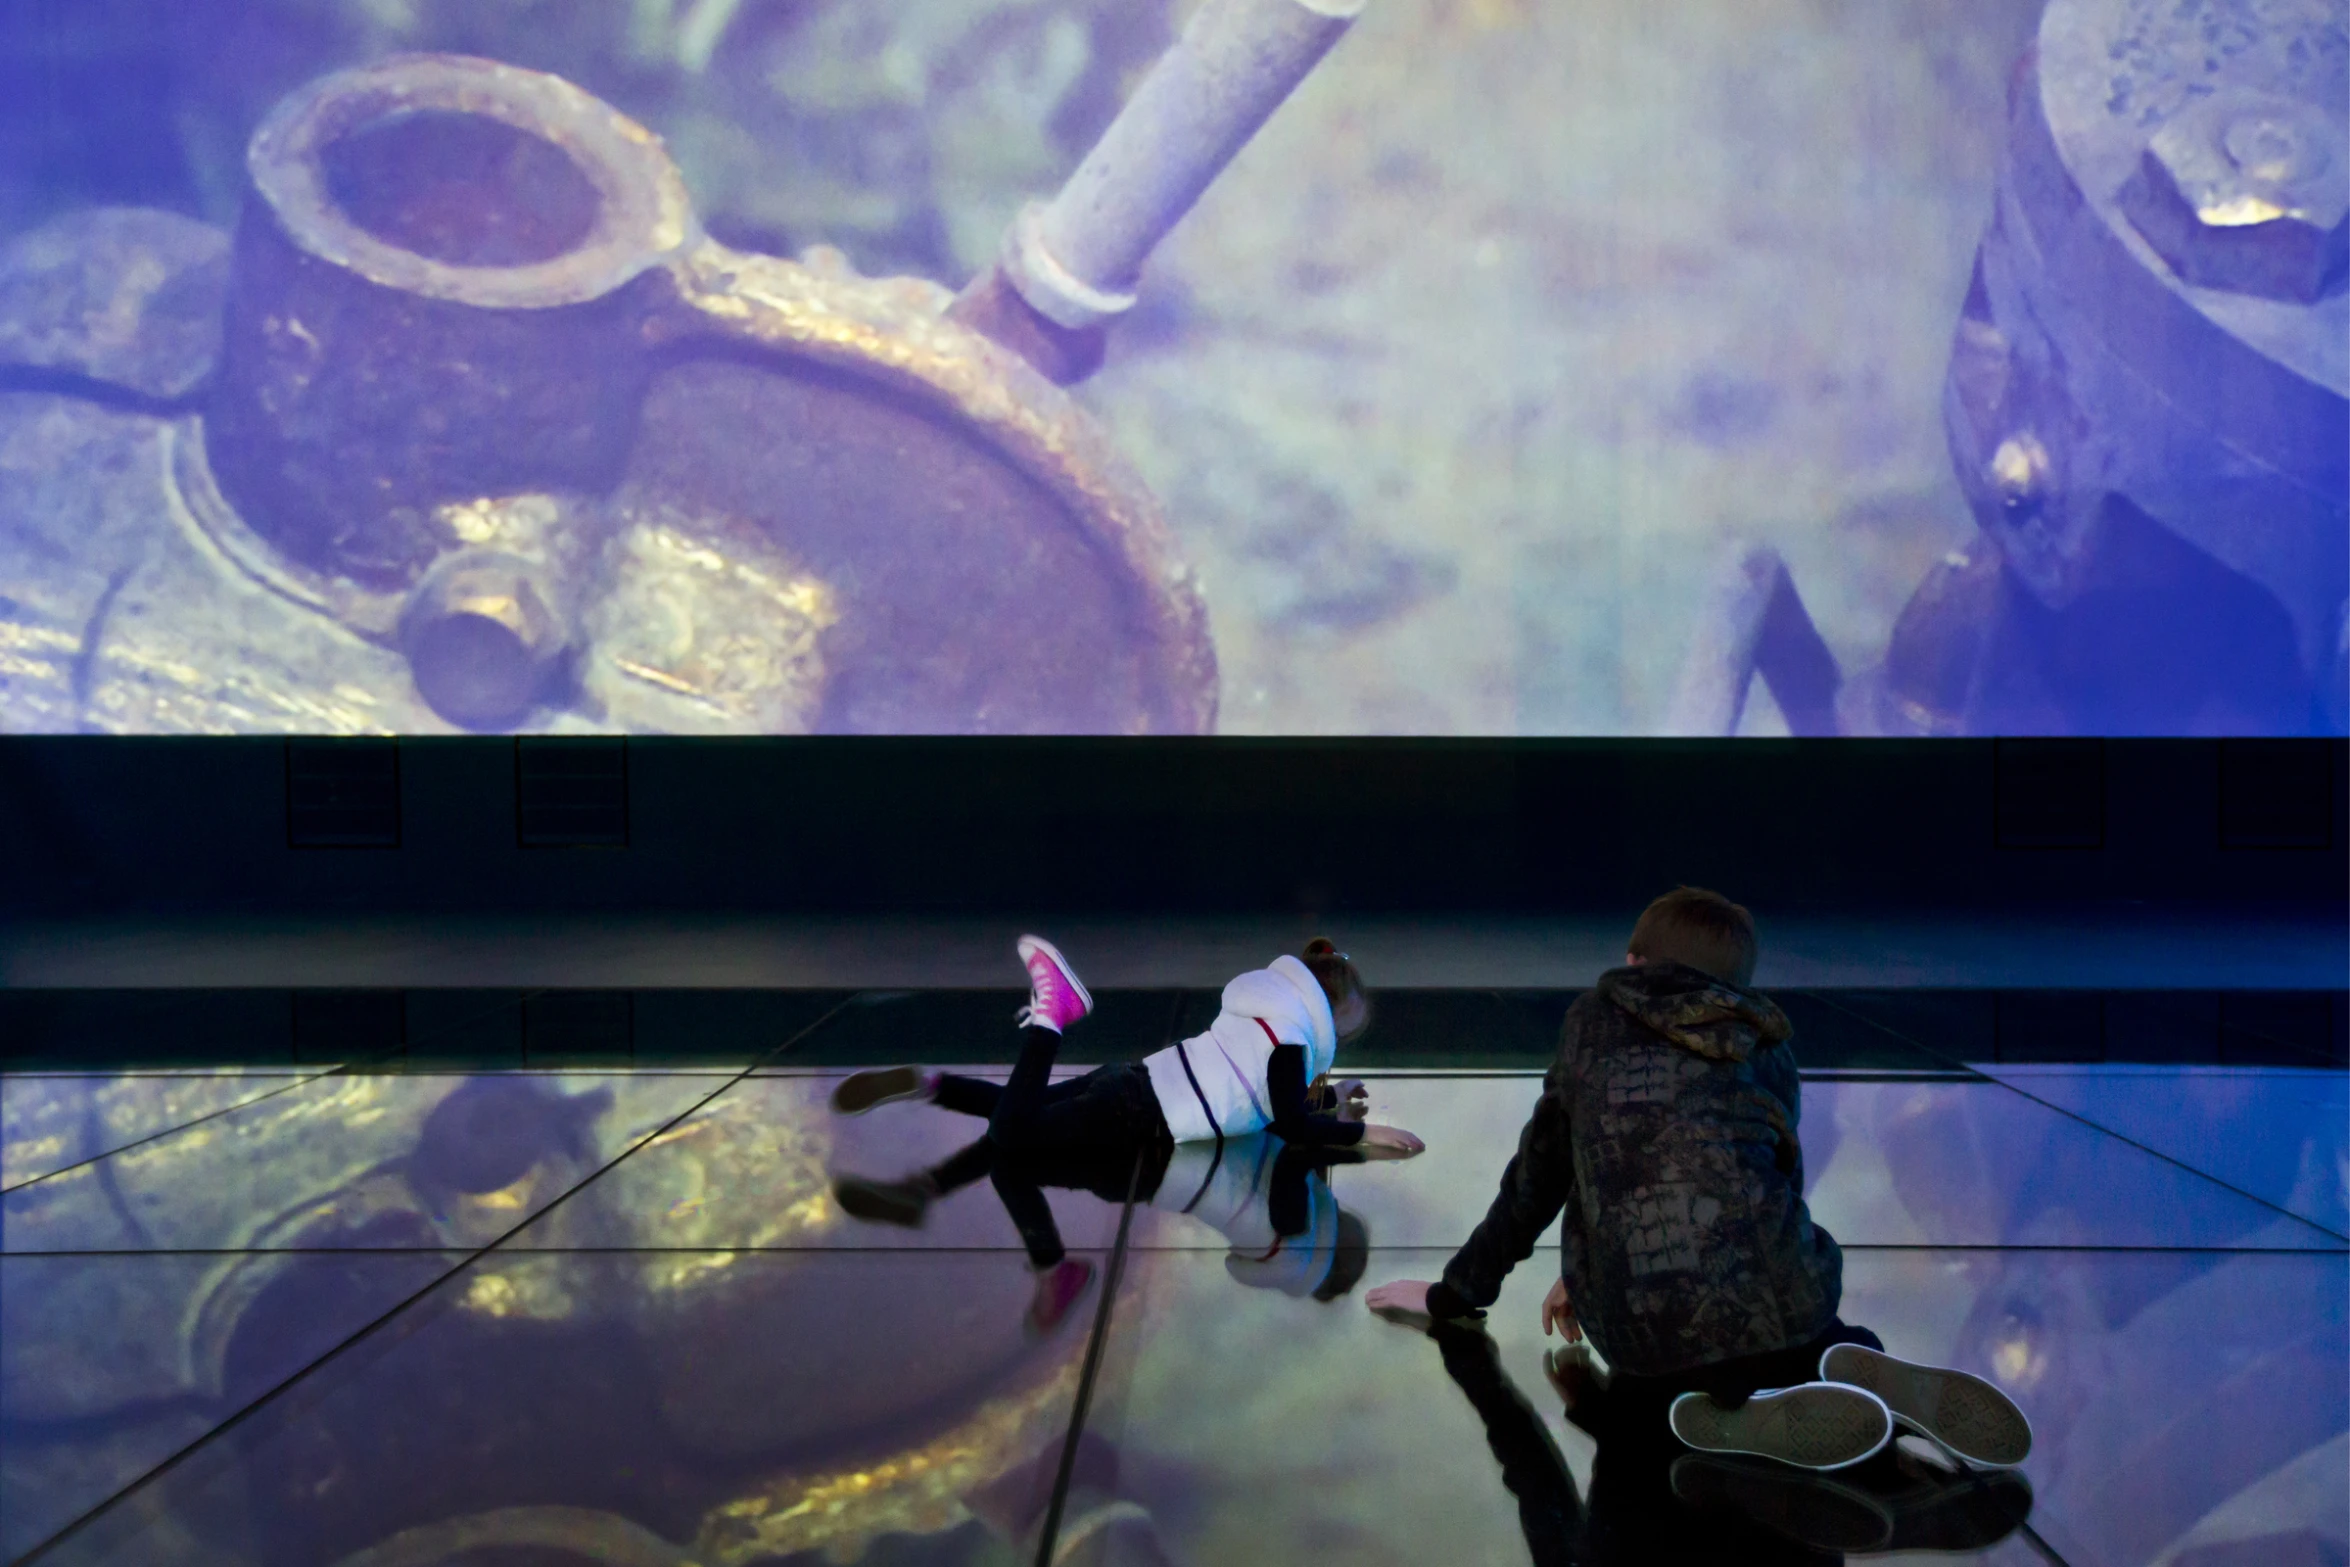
(1213, 1085)
(1228, 1186)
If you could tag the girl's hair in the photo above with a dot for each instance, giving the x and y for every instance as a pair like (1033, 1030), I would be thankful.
(1350, 999)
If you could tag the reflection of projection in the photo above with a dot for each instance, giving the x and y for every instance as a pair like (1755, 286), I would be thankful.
(716, 1369)
(2145, 407)
(471, 426)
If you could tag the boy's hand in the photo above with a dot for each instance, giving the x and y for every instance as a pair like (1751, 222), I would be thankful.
(1559, 1311)
(1353, 1100)
(1405, 1301)
(1389, 1142)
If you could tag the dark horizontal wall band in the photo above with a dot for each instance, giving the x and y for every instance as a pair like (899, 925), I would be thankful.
(1895, 1031)
(92, 824)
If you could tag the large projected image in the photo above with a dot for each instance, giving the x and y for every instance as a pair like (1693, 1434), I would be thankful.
(1437, 367)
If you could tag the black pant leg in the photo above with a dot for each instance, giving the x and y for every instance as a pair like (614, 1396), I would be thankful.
(1032, 1074)
(967, 1095)
(1550, 1513)
(1031, 1215)
(964, 1167)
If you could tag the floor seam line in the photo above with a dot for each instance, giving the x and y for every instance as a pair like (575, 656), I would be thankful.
(370, 1328)
(1096, 1345)
(341, 1069)
(2082, 1120)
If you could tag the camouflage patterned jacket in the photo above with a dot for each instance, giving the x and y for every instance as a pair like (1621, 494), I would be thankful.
(1666, 1131)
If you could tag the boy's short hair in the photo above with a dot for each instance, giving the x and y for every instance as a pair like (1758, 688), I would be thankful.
(1702, 929)
(1350, 999)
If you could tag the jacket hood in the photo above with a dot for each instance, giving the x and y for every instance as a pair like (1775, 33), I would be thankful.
(1287, 992)
(1707, 1016)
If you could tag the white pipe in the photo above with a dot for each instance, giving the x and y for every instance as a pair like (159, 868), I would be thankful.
(1077, 259)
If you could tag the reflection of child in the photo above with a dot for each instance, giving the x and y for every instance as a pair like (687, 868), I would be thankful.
(1271, 1202)
(1249, 1072)
(1666, 1131)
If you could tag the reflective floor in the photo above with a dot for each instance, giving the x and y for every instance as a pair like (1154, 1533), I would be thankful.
(596, 1303)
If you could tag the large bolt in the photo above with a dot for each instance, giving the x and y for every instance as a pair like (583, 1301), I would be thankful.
(482, 640)
(2247, 192)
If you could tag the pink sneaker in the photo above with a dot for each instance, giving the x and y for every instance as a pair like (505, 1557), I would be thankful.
(1058, 1289)
(1056, 997)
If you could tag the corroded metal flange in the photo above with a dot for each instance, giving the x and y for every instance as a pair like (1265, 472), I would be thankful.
(497, 440)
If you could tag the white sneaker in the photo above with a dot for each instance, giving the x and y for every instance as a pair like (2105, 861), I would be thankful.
(1820, 1425)
(1954, 1409)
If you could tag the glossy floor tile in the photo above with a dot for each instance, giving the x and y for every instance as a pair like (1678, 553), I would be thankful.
(756, 1167)
(1253, 1427)
(2175, 1399)
(111, 1365)
(574, 1318)
(594, 1408)
(2281, 1134)
(371, 1162)
(1901, 1162)
(48, 1122)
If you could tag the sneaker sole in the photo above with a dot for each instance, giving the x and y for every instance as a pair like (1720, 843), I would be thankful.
(1817, 1426)
(1028, 944)
(1960, 1411)
(861, 1091)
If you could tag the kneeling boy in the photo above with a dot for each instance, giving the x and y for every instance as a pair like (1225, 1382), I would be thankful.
(1666, 1131)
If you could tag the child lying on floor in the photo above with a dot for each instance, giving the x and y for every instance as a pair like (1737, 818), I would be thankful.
(1277, 1033)
(1666, 1132)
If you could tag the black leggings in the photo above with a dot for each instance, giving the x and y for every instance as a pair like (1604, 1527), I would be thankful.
(1108, 1109)
(1086, 1133)
(1020, 1179)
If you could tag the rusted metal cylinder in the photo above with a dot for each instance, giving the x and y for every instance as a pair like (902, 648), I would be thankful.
(2148, 401)
(432, 301)
(499, 440)
(1076, 259)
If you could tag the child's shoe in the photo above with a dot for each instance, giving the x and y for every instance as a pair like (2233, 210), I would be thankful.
(902, 1203)
(1820, 1425)
(1056, 998)
(1961, 1412)
(861, 1091)
(1058, 1289)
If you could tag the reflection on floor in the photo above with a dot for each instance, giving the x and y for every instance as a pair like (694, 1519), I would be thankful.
(600, 1307)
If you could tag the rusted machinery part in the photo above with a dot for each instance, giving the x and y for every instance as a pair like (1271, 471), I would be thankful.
(898, 340)
(399, 349)
(573, 1534)
(1752, 622)
(992, 307)
(2213, 394)
(396, 339)
(116, 299)
(2148, 403)
(568, 228)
